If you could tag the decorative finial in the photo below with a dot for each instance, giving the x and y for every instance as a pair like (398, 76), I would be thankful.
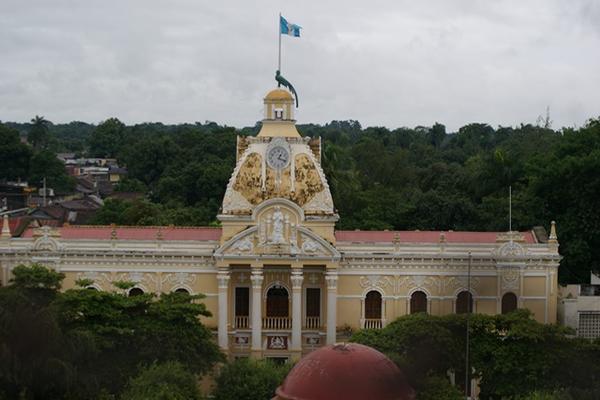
(442, 237)
(553, 238)
(113, 232)
(5, 228)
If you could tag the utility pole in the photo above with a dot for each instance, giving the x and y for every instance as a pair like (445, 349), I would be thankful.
(469, 309)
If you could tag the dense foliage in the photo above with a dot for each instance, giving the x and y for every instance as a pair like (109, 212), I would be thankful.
(511, 355)
(168, 381)
(21, 162)
(422, 178)
(85, 344)
(249, 380)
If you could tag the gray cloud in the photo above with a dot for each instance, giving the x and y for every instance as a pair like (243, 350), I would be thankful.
(401, 63)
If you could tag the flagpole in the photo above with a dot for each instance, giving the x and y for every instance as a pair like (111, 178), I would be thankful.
(279, 34)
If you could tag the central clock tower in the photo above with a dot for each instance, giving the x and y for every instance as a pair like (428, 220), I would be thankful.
(278, 200)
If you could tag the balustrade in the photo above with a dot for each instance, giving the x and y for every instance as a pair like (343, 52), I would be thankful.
(312, 323)
(242, 321)
(372, 323)
(277, 323)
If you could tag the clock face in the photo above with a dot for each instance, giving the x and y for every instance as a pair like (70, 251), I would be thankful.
(278, 157)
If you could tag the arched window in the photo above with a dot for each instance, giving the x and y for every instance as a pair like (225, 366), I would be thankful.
(509, 302)
(464, 302)
(373, 305)
(182, 290)
(418, 302)
(91, 288)
(136, 291)
(277, 302)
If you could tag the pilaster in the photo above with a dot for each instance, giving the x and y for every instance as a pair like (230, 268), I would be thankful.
(223, 277)
(331, 277)
(297, 278)
(257, 280)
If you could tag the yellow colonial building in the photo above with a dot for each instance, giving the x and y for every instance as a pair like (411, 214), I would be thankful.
(278, 278)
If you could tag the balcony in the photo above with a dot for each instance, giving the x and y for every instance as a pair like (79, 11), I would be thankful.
(242, 322)
(312, 323)
(277, 323)
(372, 323)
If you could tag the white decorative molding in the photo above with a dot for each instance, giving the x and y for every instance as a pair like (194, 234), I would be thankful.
(309, 245)
(332, 279)
(223, 279)
(244, 245)
(296, 279)
(511, 250)
(320, 203)
(376, 281)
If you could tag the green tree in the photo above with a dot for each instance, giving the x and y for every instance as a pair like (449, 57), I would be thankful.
(249, 380)
(14, 155)
(107, 138)
(38, 135)
(511, 354)
(82, 343)
(44, 164)
(34, 350)
(168, 381)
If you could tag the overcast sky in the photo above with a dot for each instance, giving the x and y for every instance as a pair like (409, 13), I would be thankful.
(392, 63)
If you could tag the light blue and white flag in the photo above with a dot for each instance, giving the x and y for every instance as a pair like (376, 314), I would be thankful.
(287, 28)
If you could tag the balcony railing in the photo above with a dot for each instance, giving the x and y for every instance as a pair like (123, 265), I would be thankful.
(241, 322)
(372, 323)
(277, 323)
(312, 323)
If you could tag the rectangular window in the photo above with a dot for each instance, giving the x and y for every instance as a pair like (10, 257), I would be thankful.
(313, 302)
(242, 301)
(589, 324)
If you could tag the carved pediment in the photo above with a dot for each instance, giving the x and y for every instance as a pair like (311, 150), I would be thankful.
(511, 250)
(46, 240)
(293, 241)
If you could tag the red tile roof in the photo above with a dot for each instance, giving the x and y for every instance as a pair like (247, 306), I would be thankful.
(135, 232)
(210, 233)
(423, 236)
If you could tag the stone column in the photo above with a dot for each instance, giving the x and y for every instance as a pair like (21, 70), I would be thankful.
(257, 280)
(223, 277)
(331, 278)
(296, 279)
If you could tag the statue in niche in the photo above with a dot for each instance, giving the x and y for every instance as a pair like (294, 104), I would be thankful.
(277, 232)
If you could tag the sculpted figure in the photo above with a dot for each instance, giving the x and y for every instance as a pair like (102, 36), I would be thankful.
(277, 232)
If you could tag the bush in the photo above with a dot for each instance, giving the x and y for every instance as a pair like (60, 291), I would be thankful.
(439, 388)
(168, 381)
(249, 380)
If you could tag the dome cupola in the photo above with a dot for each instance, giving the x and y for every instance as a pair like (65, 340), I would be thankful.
(346, 372)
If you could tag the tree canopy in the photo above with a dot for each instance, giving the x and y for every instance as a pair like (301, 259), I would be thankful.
(83, 343)
(511, 355)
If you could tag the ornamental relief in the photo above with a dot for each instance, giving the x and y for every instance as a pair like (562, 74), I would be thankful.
(510, 278)
(46, 240)
(277, 232)
(254, 182)
(152, 282)
(454, 283)
(402, 284)
(511, 250)
(376, 281)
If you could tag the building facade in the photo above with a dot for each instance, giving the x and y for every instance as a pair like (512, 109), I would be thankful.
(579, 307)
(279, 280)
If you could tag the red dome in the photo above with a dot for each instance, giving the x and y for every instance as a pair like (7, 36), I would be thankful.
(345, 372)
